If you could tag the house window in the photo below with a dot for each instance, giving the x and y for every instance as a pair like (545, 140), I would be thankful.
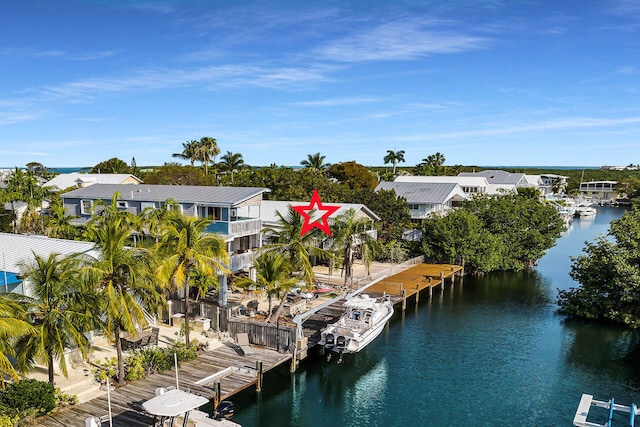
(85, 206)
(414, 207)
(122, 204)
(145, 205)
(213, 213)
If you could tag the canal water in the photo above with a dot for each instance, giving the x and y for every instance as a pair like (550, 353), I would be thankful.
(490, 352)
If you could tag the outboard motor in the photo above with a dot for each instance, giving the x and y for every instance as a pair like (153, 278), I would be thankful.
(329, 340)
(341, 341)
(224, 409)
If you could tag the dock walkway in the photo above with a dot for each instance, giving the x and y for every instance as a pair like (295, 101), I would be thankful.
(399, 286)
(126, 401)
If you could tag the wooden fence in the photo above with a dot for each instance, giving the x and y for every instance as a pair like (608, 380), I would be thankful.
(219, 315)
(269, 335)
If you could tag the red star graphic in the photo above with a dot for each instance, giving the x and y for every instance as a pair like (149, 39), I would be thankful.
(323, 222)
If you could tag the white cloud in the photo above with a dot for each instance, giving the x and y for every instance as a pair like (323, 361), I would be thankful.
(340, 101)
(399, 40)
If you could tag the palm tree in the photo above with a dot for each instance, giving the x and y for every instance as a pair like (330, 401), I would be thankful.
(121, 276)
(231, 162)
(61, 311)
(13, 325)
(394, 157)
(208, 148)
(189, 151)
(286, 240)
(58, 223)
(350, 237)
(188, 249)
(273, 276)
(314, 161)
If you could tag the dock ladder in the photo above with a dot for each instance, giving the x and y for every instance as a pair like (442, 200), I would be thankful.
(587, 401)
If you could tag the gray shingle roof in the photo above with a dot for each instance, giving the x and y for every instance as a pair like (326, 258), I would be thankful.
(420, 192)
(159, 193)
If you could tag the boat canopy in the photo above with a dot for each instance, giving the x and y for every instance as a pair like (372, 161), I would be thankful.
(361, 302)
(173, 403)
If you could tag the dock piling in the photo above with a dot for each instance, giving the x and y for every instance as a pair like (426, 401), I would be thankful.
(259, 376)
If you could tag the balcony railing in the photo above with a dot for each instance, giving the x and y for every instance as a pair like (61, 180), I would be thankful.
(241, 227)
(242, 261)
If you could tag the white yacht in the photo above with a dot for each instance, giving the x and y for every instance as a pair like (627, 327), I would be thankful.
(362, 321)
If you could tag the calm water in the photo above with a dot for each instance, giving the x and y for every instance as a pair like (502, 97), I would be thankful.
(491, 352)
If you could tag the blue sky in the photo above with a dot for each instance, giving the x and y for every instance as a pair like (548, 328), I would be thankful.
(483, 82)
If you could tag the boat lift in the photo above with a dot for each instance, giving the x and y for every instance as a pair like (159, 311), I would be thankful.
(587, 401)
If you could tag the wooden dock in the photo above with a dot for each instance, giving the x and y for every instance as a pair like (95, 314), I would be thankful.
(236, 373)
(414, 280)
(399, 286)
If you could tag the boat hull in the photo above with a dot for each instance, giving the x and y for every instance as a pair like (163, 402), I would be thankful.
(357, 327)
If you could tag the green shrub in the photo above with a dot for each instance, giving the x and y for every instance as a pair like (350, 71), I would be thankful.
(106, 369)
(64, 399)
(134, 366)
(29, 394)
(7, 421)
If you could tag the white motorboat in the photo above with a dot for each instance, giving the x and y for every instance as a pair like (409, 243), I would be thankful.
(174, 407)
(585, 211)
(362, 321)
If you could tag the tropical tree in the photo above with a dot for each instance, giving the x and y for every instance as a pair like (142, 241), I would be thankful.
(609, 276)
(24, 187)
(314, 161)
(207, 149)
(231, 162)
(394, 157)
(287, 241)
(127, 290)
(273, 277)
(353, 175)
(189, 151)
(58, 223)
(61, 311)
(350, 237)
(186, 248)
(113, 165)
(13, 325)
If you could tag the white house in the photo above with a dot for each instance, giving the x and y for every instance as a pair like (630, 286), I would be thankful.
(425, 198)
(500, 181)
(17, 249)
(471, 185)
(80, 180)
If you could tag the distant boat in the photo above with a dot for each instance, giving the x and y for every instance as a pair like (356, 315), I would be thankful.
(363, 320)
(585, 211)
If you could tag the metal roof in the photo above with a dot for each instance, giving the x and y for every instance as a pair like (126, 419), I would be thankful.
(67, 180)
(423, 192)
(469, 181)
(228, 196)
(497, 176)
(269, 209)
(19, 248)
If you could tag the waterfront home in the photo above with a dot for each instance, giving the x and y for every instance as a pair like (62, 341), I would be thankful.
(270, 209)
(426, 198)
(17, 249)
(548, 182)
(500, 181)
(471, 185)
(81, 180)
(599, 190)
(221, 205)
